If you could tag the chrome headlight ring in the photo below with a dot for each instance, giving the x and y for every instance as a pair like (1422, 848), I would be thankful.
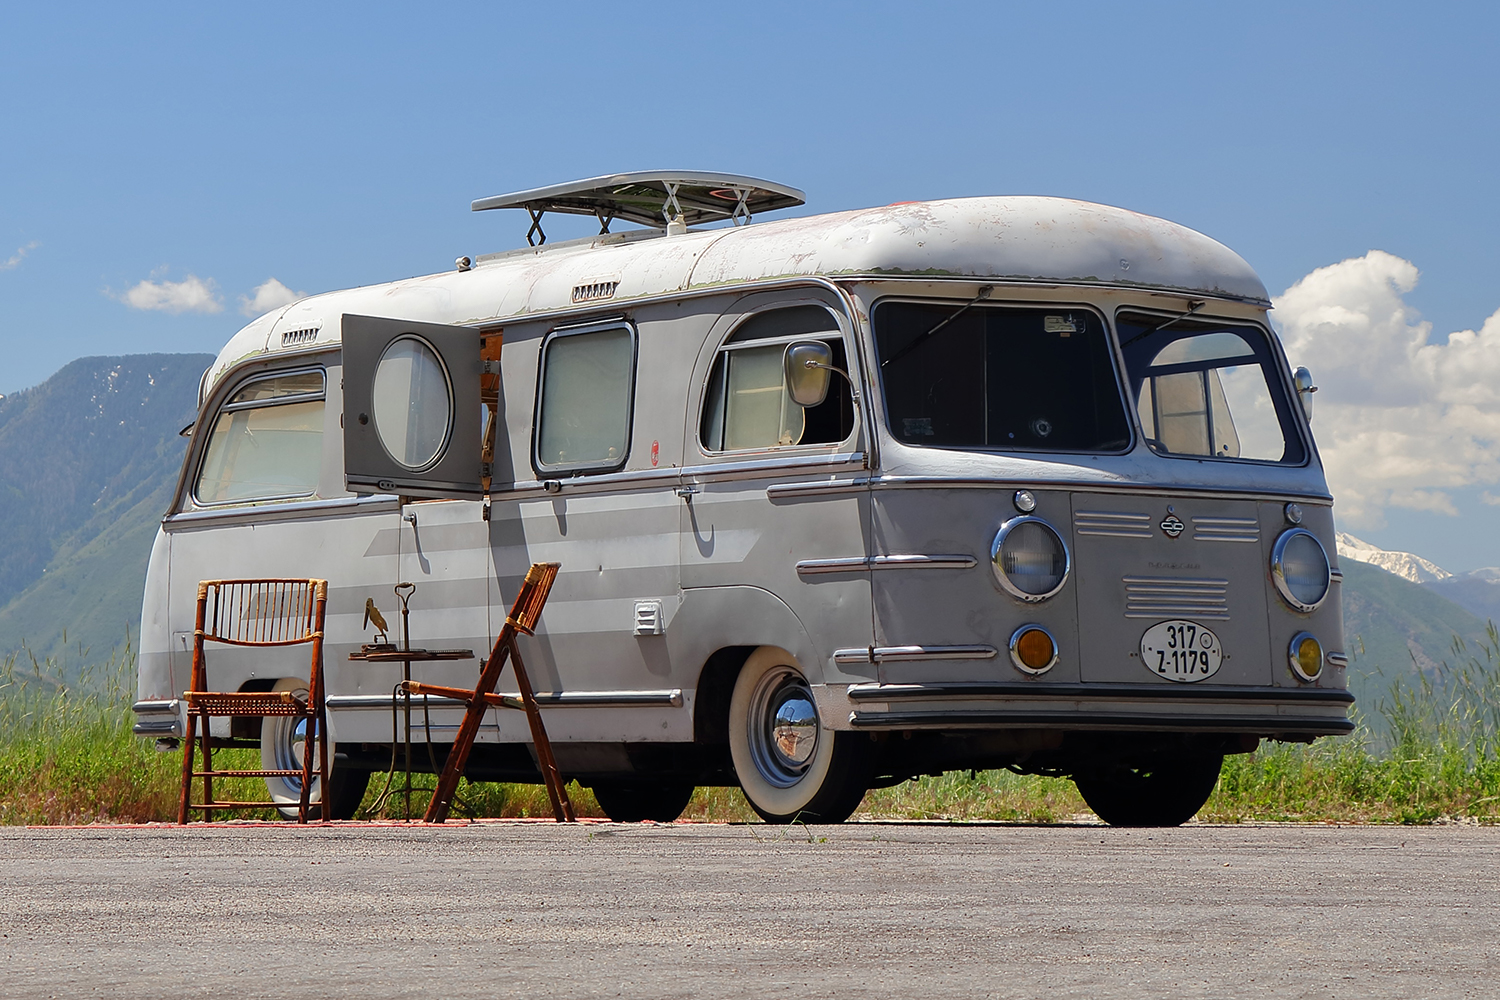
(996, 560)
(1278, 570)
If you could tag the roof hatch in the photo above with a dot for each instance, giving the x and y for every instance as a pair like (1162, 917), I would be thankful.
(653, 198)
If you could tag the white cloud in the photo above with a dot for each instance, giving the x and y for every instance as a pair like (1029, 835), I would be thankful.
(1399, 421)
(270, 295)
(191, 294)
(15, 259)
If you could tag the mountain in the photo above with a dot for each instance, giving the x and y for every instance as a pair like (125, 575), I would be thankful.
(88, 461)
(1403, 564)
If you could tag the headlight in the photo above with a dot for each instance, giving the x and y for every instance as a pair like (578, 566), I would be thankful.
(1031, 561)
(1306, 656)
(1300, 568)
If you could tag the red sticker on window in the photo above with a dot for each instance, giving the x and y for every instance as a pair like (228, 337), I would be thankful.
(655, 453)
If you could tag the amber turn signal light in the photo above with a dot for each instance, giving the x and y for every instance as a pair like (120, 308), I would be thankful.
(1032, 649)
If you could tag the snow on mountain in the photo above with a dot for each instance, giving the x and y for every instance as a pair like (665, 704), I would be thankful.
(1403, 564)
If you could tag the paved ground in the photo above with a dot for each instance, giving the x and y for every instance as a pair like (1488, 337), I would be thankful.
(910, 911)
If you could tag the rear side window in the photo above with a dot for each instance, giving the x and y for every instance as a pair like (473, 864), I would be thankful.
(585, 395)
(999, 378)
(1206, 390)
(746, 405)
(267, 442)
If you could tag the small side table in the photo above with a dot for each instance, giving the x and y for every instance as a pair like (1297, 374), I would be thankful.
(406, 657)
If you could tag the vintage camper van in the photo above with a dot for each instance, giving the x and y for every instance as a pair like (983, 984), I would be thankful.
(839, 501)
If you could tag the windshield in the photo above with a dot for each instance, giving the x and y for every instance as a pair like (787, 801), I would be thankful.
(1206, 390)
(997, 377)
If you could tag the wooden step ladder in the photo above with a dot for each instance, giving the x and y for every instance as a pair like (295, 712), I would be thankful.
(522, 619)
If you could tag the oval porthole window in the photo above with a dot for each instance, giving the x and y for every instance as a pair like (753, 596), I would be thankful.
(412, 403)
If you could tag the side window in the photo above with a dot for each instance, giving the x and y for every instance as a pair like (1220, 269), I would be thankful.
(267, 442)
(584, 399)
(746, 405)
(1205, 390)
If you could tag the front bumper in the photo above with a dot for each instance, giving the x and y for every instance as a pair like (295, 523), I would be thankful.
(1261, 711)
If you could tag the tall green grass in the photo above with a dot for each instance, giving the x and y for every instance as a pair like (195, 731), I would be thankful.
(1428, 749)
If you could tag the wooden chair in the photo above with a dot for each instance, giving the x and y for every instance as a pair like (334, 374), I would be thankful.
(256, 613)
(522, 619)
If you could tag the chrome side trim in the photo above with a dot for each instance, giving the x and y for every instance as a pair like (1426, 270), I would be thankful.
(1068, 691)
(1336, 660)
(167, 707)
(559, 699)
(1115, 524)
(838, 487)
(858, 564)
(305, 511)
(1336, 575)
(158, 728)
(880, 654)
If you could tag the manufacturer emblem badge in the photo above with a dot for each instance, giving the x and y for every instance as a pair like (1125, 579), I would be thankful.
(1172, 525)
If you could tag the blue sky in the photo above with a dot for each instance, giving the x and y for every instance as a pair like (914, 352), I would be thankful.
(328, 147)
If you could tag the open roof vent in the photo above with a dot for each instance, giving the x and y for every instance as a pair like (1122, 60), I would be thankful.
(653, 198)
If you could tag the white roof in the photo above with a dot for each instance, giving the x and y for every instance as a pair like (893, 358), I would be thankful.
(1007, 239)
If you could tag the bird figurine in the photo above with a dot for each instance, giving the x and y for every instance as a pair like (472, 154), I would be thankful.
(372, 614)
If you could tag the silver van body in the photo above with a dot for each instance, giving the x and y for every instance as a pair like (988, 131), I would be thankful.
(859, 556)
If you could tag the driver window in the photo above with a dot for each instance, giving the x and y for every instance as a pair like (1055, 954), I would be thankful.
(746, 405)
(267, 442)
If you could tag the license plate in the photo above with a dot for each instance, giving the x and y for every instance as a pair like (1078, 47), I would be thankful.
(1181, 651)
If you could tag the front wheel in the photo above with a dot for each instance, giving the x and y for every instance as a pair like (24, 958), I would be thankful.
(282, 741)
(789, 766)
(1165, 793)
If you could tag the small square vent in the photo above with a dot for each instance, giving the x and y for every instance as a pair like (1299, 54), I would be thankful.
(648, 618)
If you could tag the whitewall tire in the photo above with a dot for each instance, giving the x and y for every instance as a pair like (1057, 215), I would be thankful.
(789, 765)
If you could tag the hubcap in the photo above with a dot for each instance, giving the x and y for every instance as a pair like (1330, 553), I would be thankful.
(289, 746)
(783, 727)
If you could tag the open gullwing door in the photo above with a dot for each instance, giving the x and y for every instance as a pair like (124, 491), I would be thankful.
(412, 408)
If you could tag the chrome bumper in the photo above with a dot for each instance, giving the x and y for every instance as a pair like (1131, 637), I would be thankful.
(158, 719)
(1264, 711)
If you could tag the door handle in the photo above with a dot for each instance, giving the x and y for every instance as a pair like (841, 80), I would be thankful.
(687, 492)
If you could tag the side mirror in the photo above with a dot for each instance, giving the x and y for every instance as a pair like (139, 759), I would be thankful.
(808, 364)
(1303, 380)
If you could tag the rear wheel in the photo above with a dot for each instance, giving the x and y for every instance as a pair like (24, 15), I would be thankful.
(635, 802)
(282, 741)
(1165, 793)
(790, 767)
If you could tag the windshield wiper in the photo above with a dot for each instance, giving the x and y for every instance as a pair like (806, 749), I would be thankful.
(1192, 308)
(984, 293)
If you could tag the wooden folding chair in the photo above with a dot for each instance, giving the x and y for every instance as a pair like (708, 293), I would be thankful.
(258, 613)
(522, 619)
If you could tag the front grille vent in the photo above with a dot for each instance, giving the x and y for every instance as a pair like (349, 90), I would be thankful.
(1226, 529)
(1112, 523)
(1176, 597)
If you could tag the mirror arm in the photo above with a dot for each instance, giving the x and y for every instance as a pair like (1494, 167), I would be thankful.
(853, 389)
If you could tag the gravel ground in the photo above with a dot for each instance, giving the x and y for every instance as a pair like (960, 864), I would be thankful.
(865, 909)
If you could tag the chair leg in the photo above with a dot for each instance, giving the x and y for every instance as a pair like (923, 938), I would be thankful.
(208, 761)
(185, 795)
(562, 806)
(310, 745)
